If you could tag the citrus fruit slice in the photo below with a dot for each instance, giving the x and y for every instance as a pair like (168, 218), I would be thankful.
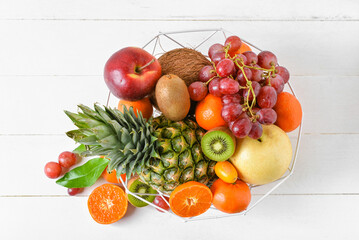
(107, 203)
(190, 199)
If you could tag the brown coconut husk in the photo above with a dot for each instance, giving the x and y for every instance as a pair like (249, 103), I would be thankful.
(183, 62)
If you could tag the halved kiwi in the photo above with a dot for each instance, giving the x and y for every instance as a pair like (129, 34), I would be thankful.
(218, 144)
(135, 185)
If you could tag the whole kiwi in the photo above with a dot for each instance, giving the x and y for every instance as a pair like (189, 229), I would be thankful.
(172, 97)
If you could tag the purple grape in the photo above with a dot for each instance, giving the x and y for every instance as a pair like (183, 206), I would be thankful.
(231, 98)
(240, 76)
(267, 116)
(215, 48)
(276, 82)
(213, 87)
(256, 88)
(267, 97)
(197, 91)
(228, 86)
(217, 57)
(241, 127)
(225, 67)
(256, 131)
(231, 112)
(237, 59)
(252, 58)
(267, 59)
(257, 74)
(206, 73)
(283, 72)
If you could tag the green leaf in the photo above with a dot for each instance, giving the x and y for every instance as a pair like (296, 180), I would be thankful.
(85, 175)
(80, 149)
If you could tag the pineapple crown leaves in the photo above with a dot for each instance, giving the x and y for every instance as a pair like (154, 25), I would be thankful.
(125, 139)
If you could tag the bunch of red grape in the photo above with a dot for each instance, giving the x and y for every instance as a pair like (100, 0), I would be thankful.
(247, 83)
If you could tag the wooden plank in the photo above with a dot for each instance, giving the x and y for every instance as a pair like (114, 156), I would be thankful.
(181, 10)
(327, 164)
(83, 47)
(278, 217)
(36, 103)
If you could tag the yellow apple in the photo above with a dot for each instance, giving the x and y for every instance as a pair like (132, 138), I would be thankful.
(263, 160)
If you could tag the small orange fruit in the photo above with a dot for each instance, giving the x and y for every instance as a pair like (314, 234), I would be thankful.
(226, 171)
(289, 112)
(112, 177)
(107, 203)
(144, 105)
(209, 112)
(190, 199)
(231, 197)
(244, 48)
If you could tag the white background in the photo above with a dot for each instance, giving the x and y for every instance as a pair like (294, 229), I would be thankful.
(52, 55)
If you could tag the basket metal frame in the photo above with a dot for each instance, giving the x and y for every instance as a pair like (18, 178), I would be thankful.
(280, 181)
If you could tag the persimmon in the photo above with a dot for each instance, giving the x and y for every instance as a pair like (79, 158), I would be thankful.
(231, 197)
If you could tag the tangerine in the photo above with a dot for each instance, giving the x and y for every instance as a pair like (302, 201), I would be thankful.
(190, 199)
(107, 203)
(231, 197)
(289, 112)
(144, 105)
(208, 112)
(112, 177)
(244, 48)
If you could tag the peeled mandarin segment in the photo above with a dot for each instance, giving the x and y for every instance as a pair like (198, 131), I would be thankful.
(107, 204)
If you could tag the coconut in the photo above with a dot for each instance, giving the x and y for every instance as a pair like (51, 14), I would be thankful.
(183, 62)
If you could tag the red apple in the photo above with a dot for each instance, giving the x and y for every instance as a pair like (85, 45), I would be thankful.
(132, 73)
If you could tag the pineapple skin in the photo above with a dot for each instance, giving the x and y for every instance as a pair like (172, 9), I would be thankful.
(179, 157)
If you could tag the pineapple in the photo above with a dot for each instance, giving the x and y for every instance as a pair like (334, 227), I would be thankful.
(163, 153)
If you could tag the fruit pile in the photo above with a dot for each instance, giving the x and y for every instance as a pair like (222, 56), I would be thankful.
(222, 128)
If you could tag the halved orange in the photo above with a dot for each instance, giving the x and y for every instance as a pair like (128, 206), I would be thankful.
(107, 203)
(190, 199)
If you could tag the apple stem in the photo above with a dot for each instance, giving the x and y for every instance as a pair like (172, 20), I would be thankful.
(146, 65)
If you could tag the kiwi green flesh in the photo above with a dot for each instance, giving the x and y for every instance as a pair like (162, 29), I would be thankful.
(140, 187)
(217, 145)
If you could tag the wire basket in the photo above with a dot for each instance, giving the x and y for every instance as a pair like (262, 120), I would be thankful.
(201, 40)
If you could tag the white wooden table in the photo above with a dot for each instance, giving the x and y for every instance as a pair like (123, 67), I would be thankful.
(52, 55)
